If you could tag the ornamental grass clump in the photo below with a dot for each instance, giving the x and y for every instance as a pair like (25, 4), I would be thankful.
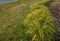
(40, 23)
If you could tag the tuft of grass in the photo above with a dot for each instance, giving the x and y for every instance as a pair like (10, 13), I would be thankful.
(40, 24)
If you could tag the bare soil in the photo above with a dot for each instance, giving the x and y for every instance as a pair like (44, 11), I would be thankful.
(55, 10)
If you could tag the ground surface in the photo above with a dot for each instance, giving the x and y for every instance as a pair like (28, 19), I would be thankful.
(11, 16)
(55, 10)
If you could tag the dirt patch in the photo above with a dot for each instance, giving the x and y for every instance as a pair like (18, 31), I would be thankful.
(55, 9)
